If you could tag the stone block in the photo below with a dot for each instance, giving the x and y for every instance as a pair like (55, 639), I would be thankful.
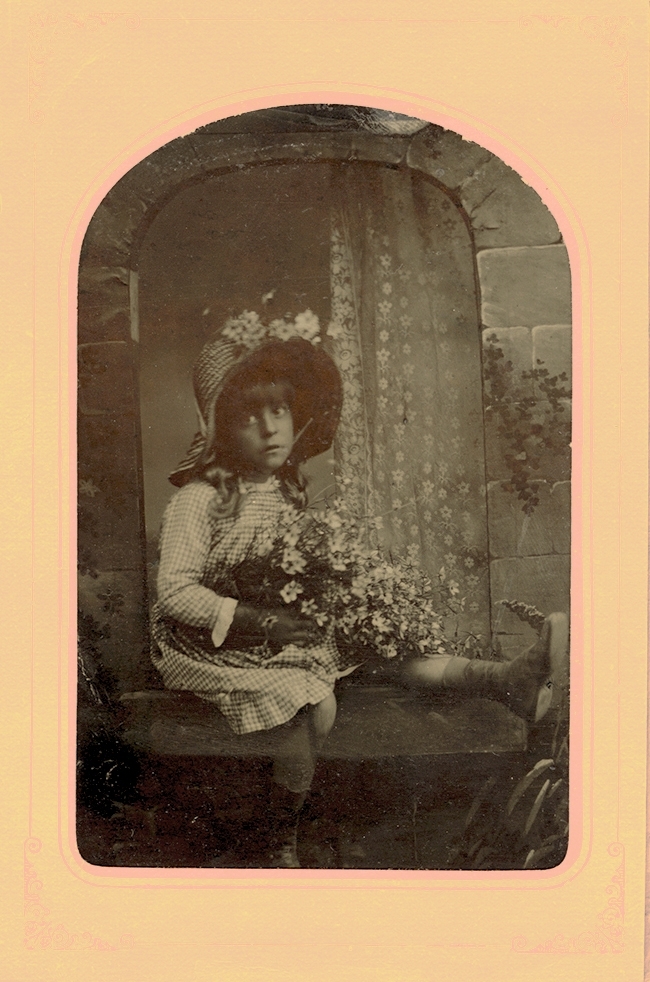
(113, 229)
(495, 449)
(552, 345)
(293, 119)
(512, 645)
(550, 464)
(215, 152)
(109, 536)
(539, 580)
(558, 517)
(542, 581)
(116, 602)
(259, 121)
(446, 156)
(547, 531)
(516, 344)
(525, 286)
(106, 383)
(103, 304)
(504, 211)
(161, 172)
(111, 232)
(555, 460)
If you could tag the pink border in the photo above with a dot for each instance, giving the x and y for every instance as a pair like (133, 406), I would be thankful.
(406, 104)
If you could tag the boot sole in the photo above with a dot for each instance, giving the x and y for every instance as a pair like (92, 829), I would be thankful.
(550, 694)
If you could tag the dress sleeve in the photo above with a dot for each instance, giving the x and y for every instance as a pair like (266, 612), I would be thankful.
(185, 543)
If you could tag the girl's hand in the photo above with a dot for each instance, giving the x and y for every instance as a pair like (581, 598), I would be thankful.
(259, 624)
(284, 628)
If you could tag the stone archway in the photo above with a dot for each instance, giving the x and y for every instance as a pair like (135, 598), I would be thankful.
(523, 284)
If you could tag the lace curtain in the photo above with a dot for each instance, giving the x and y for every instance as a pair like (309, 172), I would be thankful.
(405, 335)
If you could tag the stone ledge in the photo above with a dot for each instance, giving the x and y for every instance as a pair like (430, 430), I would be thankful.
(372, 722)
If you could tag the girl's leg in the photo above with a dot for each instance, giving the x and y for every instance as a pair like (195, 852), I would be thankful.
(284, 807)
(321, 719)
(293, 747)
(293, 770)
(528, 684)
(298, 743)
(294, 763)
(294, 758)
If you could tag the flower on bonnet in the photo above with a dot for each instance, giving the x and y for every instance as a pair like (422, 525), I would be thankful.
(282, 329)
(248, 330)
(335, 329)
(307, 327)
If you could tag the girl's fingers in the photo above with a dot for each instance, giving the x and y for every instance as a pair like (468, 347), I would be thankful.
(300, 635)
(297, 635)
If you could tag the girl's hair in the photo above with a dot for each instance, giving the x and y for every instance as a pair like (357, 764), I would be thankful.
(292, 484)
(214, 467)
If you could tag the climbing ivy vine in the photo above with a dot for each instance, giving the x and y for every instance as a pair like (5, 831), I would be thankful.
(528, 411)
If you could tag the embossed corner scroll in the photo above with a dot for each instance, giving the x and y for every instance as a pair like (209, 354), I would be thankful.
(606, 937)
(42, 931)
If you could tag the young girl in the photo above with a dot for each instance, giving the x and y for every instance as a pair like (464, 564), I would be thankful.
(265, 405)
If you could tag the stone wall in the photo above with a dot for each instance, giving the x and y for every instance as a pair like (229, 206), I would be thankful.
(112, 584)
(526, 311)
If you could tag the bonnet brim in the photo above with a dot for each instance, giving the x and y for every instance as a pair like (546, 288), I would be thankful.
(313, 375)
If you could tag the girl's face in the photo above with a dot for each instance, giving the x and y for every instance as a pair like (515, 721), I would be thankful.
(261, 429)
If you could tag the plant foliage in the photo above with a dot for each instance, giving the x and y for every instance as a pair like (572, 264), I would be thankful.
(529, 411)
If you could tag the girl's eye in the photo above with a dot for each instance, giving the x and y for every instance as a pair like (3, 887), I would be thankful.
(254, 418)
(245, 419)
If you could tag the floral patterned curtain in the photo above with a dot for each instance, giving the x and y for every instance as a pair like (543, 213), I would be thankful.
(405, 335)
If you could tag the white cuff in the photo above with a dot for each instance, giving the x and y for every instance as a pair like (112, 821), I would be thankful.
(225, 614)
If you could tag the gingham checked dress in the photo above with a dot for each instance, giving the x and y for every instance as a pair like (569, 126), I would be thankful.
(253, 690)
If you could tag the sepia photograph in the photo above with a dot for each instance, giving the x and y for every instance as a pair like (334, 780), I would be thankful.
(324, 504)
(326, 538)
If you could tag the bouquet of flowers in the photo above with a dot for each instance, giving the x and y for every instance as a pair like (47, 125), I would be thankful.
(320, 566)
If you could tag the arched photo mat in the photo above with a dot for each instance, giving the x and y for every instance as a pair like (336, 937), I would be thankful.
(523, 287)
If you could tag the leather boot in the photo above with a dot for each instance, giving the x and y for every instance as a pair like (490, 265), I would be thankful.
(284, 814)
(528, 685)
